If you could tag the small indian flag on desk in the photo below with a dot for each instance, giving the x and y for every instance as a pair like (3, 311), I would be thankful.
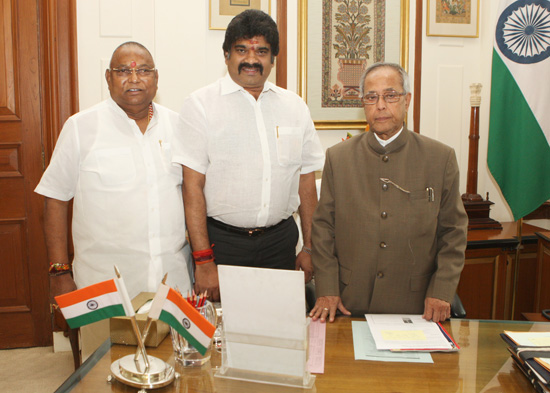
(96, 302)
(170, 307)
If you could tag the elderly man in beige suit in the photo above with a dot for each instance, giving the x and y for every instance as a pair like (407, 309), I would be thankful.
(389, 233)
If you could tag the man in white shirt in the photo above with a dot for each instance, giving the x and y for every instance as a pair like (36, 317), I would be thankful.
(249, 151)
(114, 161)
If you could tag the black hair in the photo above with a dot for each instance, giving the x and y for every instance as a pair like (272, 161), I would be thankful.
(252, 23)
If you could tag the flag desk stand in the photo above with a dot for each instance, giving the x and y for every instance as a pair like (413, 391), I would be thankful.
(145, 371)
(269, 360)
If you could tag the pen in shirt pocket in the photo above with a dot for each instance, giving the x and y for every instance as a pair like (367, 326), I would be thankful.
(431, 195)
(277, 132)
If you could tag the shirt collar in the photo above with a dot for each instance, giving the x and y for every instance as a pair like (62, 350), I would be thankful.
(388, 141)
(228, 86)
(112, 104)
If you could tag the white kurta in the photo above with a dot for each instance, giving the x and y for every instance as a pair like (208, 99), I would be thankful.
(128, 207)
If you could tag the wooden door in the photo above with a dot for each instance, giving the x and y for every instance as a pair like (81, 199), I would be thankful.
(30, 111)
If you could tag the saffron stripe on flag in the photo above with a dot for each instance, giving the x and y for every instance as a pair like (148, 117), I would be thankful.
(191, 312)
(193, 329)
(83, 294)
(116, 310)
(171, 320)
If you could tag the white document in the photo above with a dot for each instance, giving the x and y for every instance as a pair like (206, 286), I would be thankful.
(365, 348)
(264, 319)
(407, 332)
(530, 339)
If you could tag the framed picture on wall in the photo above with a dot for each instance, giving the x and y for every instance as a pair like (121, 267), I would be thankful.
(453, 18)
(338, 40)
(222, 11)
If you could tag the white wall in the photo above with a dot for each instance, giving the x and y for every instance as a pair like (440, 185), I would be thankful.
(189, 55)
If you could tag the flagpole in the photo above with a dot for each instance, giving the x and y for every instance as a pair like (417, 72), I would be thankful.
(516, 265)
(126, 299)
(148, 324)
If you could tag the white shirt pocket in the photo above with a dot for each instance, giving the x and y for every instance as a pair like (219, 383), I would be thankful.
(166, 156)
(116, 166)
(289, 145)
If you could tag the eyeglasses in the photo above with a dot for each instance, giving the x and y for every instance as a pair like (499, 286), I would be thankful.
(389, 97)
(126, 72)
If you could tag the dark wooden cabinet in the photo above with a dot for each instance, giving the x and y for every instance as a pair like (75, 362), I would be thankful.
(542, 287)
(487, 282)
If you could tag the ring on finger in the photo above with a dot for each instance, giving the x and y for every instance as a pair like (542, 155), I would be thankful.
(325, 309)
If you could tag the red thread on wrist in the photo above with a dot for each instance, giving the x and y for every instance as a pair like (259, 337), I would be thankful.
(198, 255)
(202, 262)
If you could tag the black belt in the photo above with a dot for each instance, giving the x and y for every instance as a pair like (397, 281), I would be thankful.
(252, 232)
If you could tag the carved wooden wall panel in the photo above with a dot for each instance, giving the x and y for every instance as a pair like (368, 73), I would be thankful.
(13, 292)
(37, 65)
(8, 68)
(10, 160)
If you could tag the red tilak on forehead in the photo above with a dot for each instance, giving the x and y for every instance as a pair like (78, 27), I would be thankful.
(133, 64)
(252, 42)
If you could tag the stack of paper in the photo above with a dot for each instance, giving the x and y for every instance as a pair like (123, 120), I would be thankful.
(531, 354)
(409, 333)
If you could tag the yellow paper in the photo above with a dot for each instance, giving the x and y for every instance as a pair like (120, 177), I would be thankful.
(540, 341)
(403, 335)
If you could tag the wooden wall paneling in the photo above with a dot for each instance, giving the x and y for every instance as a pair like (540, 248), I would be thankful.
(9, 104)
(485, 283)
(37, 94)
(60, 68)
(281, 65)
(527, 273)
(477, 285)
(24, 316)
(15, 291)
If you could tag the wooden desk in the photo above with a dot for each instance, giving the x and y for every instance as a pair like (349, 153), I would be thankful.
(482, 364)
(487, 281)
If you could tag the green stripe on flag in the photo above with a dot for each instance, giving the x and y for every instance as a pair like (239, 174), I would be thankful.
(116, 310)
(165, 316)
(518, 154)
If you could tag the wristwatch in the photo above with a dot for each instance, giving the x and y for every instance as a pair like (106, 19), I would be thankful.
(57, 269)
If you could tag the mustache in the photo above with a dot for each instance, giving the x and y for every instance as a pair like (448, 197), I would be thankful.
(249, 65)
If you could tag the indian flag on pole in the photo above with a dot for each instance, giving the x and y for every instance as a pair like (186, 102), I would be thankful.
(170, 307)
(519, 131)
(96, 302)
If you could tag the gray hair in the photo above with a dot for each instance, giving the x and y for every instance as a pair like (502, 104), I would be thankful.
(404, 76)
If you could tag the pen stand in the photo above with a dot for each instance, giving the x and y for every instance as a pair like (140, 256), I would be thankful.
(263, 359)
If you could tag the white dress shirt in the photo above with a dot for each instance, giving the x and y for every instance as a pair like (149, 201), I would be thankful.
(128, 208)
(251, 151)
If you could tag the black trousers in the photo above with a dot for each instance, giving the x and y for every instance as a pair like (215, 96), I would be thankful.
(274, 249)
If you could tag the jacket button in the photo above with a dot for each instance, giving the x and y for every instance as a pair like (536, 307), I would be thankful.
(385, 158)
(383, 245)
(380, 274)
(384, 215)
(384, 187)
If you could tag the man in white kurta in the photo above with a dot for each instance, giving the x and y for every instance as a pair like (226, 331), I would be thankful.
(114, 161)
(127, 208)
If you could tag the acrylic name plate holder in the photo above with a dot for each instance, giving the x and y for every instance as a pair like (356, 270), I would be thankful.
(265, 329)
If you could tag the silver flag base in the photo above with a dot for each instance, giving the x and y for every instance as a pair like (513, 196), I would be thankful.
(132, 372)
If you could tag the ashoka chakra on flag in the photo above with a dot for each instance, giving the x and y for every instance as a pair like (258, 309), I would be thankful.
(523, 31)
